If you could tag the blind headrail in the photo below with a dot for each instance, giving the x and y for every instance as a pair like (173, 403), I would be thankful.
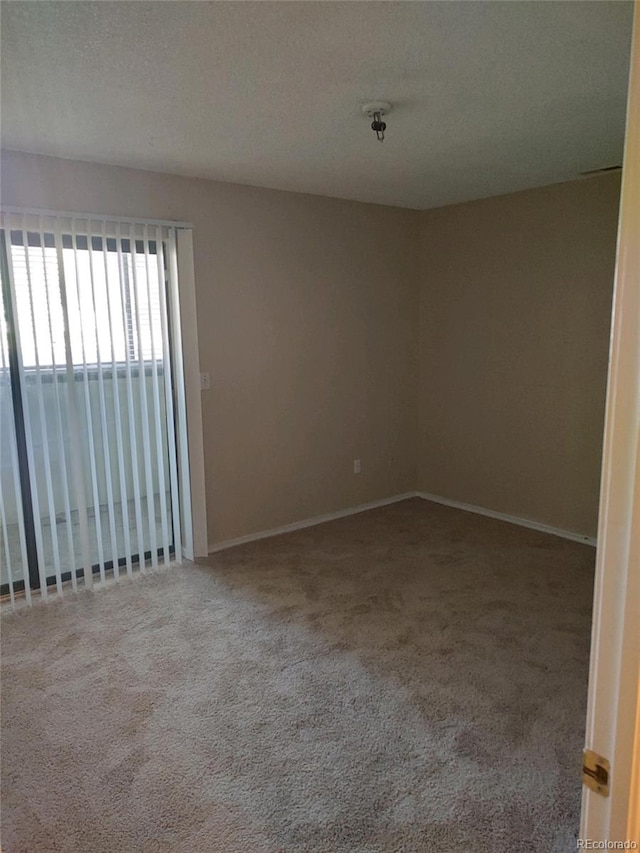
(93, 217)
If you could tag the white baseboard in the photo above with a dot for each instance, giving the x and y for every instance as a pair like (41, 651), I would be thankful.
(310, 522)
(354, 510)
(512, 519)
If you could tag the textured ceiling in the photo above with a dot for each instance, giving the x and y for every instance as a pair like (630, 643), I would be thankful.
(488, 98)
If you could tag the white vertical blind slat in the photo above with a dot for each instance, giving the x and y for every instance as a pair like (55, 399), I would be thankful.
(59, 427)
(6, 556)
(44, 427)
(173, 462)
(118, 427)
(74, 421)
(104, 431)
(156, 349)
(83, 323)
(21, 531)
(45, 446)
(181, 403)
(130, 404)
(15, 475)
(146, 438)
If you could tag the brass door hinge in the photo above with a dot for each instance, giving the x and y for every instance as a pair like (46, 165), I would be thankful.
(595, 772)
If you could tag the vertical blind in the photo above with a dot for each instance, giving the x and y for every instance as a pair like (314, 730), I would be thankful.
(89, 396)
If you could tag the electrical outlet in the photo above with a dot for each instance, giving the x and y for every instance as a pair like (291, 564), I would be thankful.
(205, 382)
(357, 466)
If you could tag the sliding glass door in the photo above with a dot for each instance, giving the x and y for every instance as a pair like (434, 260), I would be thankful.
(89, 463)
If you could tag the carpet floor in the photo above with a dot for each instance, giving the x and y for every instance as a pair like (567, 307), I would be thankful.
(409, 679)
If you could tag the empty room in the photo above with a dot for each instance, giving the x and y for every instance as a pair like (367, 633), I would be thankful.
(319, 426)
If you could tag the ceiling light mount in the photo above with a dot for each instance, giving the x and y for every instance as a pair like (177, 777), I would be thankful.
(376, 110)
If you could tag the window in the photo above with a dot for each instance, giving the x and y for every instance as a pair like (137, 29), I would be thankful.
(113, 291)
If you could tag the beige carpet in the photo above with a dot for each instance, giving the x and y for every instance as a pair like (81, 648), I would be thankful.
(409, 679)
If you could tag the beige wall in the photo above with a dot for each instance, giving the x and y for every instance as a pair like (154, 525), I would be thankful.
(515, 303)
(309, 312)
(307, 323)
